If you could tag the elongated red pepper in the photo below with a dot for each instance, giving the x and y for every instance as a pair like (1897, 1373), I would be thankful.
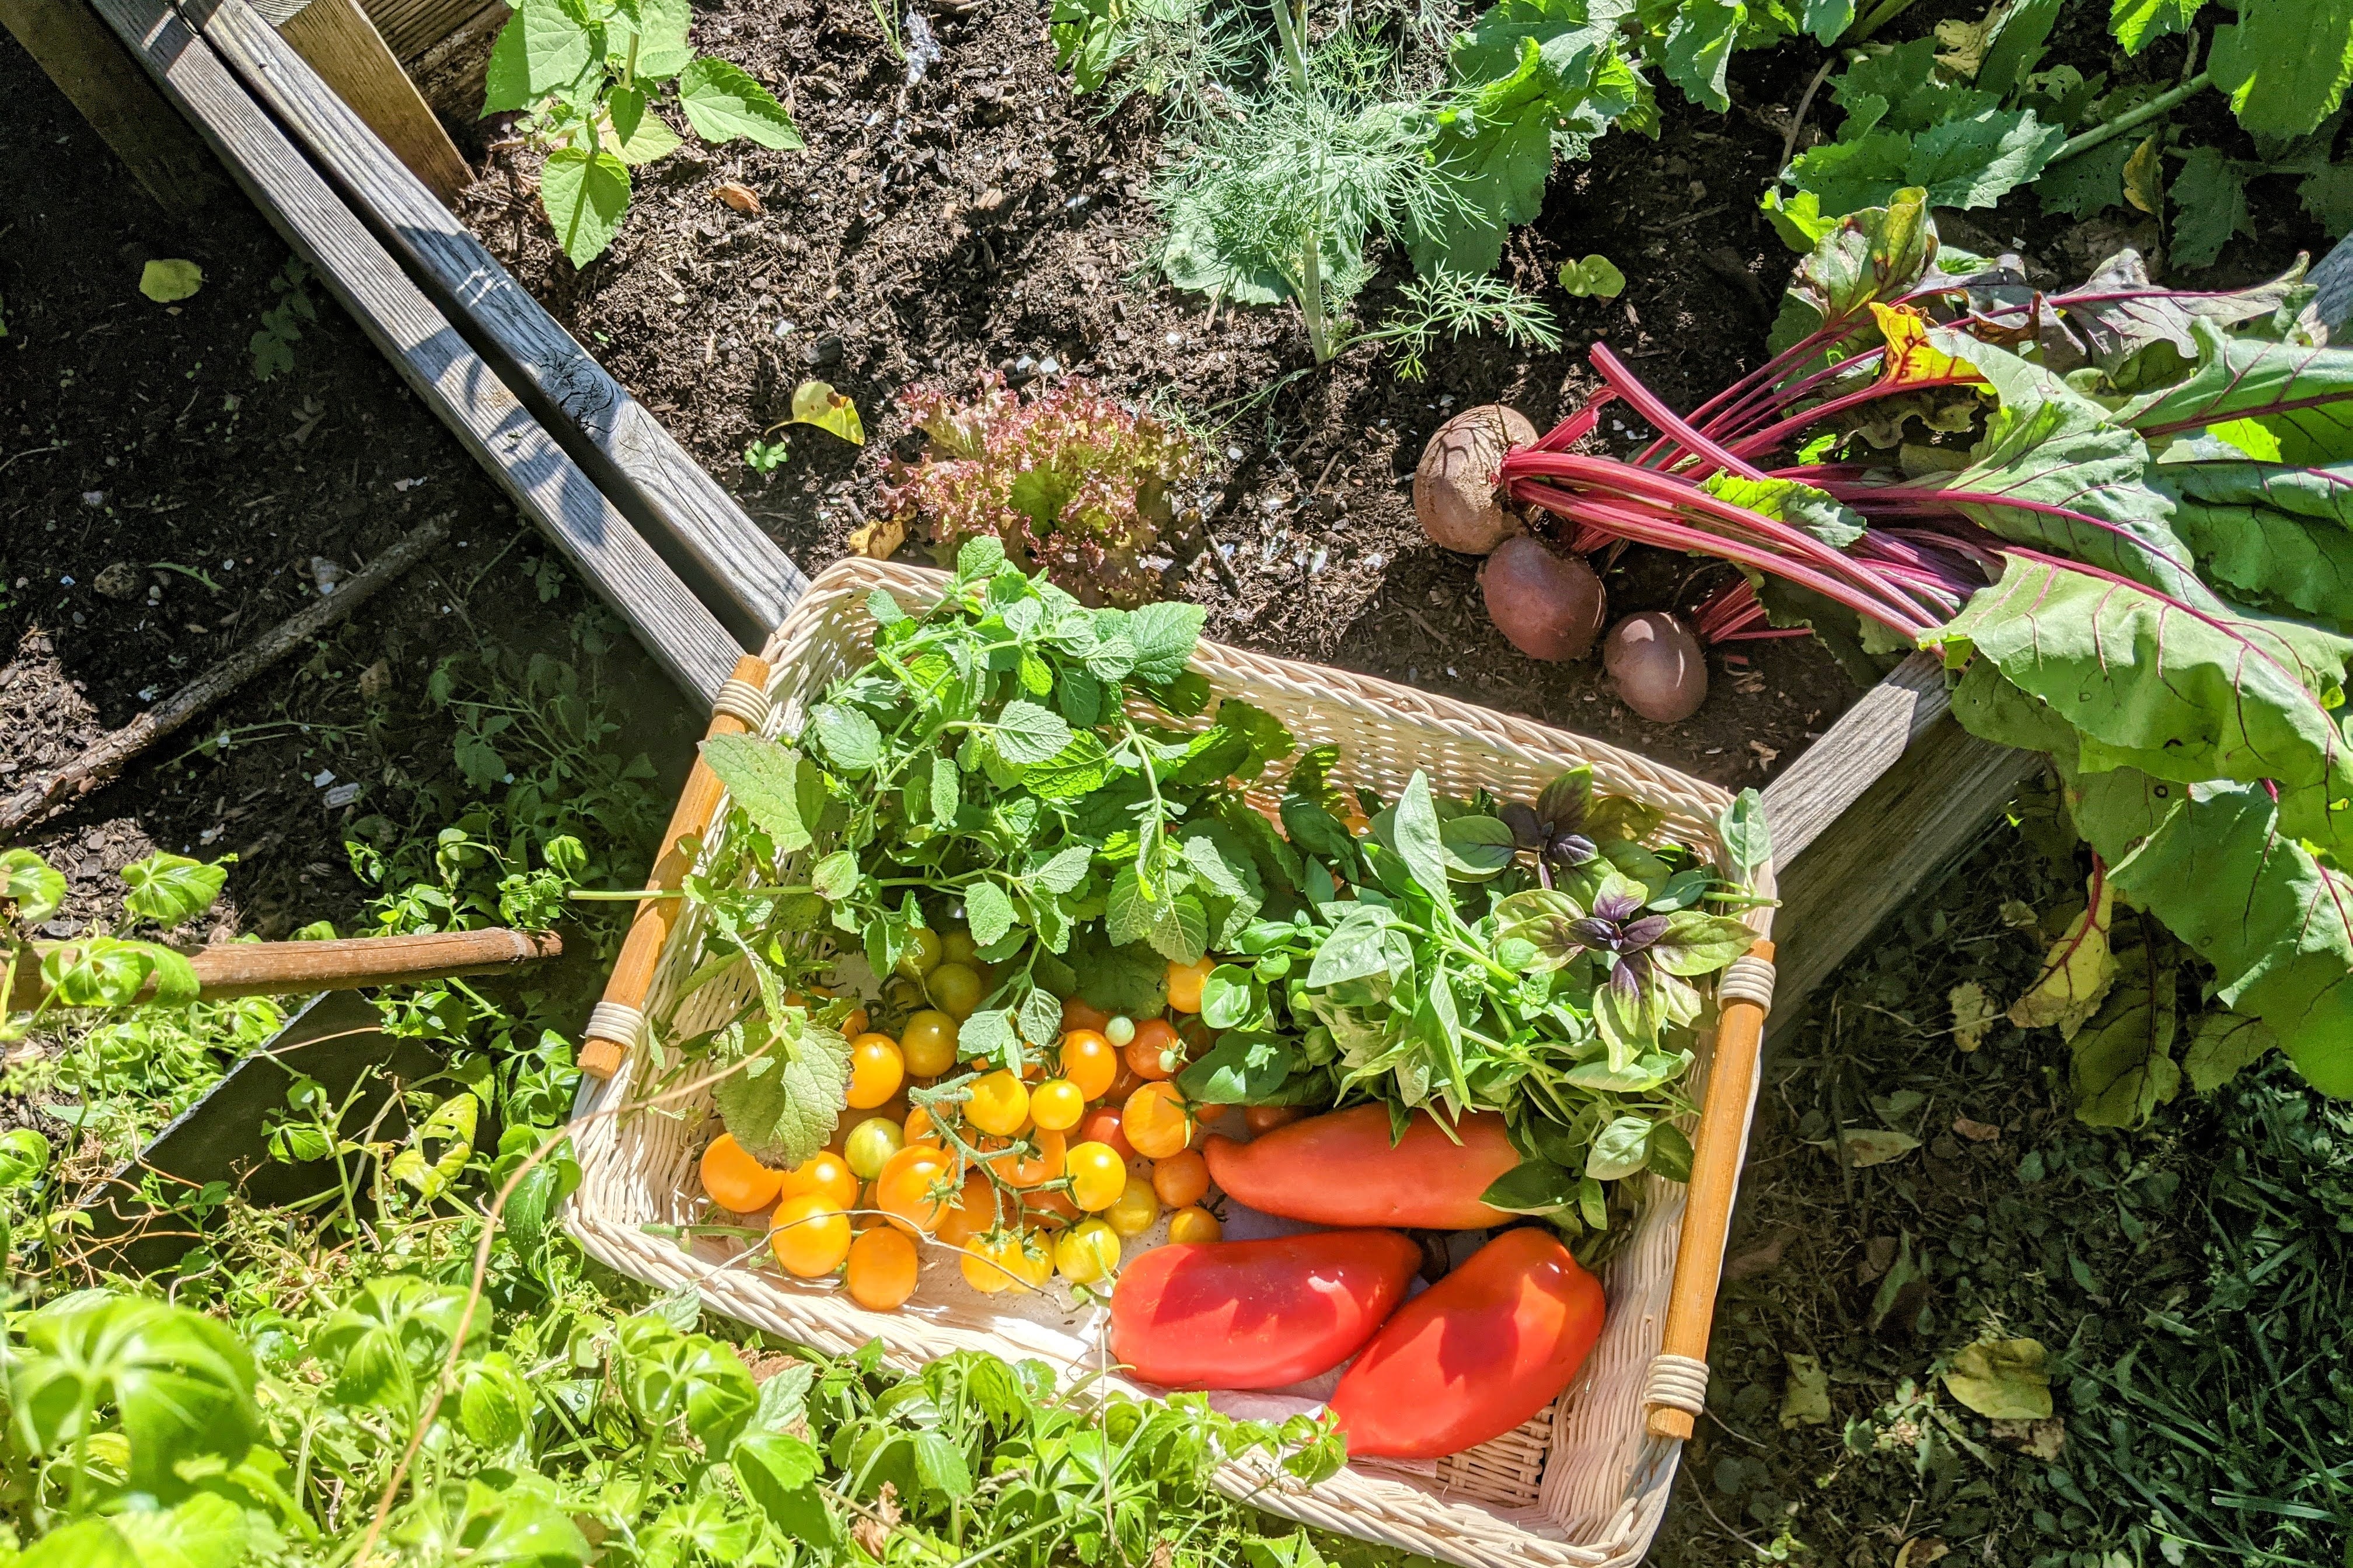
(1342, 1169)
(1257, 1314)
(1475, 1354)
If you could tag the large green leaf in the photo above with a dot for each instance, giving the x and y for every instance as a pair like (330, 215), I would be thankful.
(722, 101)
(179, 1385)
(2298, 562)
(2074, 475)
(2209, 205)
(2138, 22)
(1871, 255)
(2286, 64)
(782, 1106)
(2182, 694)
(2301, 396)
(584, 194)
(556, 41)
(1698, 48)
(2213, 863)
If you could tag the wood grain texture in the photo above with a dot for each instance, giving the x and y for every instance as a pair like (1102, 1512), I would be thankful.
(720, 552)
(431, 356)
(633, 971)
(293, 968)
(1715, 1184)
(1914, 818)
(341, 44)
(106, 85)
(413, 27)
(1865, 743)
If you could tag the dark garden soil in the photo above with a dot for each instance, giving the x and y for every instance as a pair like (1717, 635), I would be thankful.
(161, 507)
(985, 218)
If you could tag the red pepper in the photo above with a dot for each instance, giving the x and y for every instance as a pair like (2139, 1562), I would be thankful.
(1475, 1354)
(1257, 1314)
(1342, 1169)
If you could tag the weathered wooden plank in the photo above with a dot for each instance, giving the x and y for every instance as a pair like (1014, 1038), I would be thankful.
(344, 46)
(682, 510)
(431, 356)
(413, 27)
(1913, 819)
(69, 41)
(1864, 744)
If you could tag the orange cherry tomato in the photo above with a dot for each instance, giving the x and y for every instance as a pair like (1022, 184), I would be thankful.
(876, 1071)
(915, 1187)
(882, 1269)
(1155, 1053)
(1185, 982)
(1078, 1014)
(1051, 1210)
(1098, 1176)
(826, 1174)
(1195, 1224)
(1181, 1179)
(1090, 1061)
(810, 1235)
(973, 1211)
(857, 1023)
(1156, 1120)
(1043, 1165)
(1267, 1118)
(734, 1180)
(920, 1129)
(1057, 1104)
(1102, 1125)
(1125, 1084)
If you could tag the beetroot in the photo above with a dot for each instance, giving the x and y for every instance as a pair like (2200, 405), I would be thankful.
(1454, 484)
(1657, 666)
(1550, 606)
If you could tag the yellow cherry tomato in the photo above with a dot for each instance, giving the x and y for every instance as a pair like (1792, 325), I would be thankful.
(882, 1269)
(999, 1104)
(1087, 1252)
(1098, 1176)
(1007, 1260)
(734, 1180)
(1185, 982)
(956, 989)
(1195, 1224)
(1135, 1210)
(958, 947)
(928, 1043)
(1089, 1062)
(876, 1071)
(924, 952)
(1181, 1179)
(1057, 1104)
(810, 1235)
(1156, 1122)
(827, 1175)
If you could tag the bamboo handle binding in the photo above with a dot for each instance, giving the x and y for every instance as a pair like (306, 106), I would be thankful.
(1707, 1202)
(614, 1023)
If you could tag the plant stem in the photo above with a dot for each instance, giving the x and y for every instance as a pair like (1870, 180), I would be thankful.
(2128, 121)
(1886, 11)
(1288, 31)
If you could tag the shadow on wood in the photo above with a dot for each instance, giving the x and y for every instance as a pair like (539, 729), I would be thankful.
(113, 94)
(336, 1041)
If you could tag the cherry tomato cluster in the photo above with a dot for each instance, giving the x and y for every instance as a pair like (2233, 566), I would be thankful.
(1059, 1168)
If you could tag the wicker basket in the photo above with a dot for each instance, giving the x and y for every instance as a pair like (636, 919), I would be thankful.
(1583, 1483)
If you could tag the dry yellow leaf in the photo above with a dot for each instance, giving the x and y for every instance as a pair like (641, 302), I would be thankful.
(879, 539)
(1973, 1013)
(2143, 178)
(2076, 974)
(743, 198)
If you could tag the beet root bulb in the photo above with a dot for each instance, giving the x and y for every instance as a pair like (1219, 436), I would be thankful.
(1550, 606)
(1454, 484)
(1657, 664)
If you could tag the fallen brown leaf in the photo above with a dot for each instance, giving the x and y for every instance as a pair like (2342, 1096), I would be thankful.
(879, 539)
(1976, 1132)
(743, 198)
(1921, 1551)
(1758, 1259)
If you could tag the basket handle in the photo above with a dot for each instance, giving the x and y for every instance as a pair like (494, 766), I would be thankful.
(1680, 1373)
(617, 1021)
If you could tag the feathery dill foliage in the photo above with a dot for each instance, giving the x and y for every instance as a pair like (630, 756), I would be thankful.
(1280, 198)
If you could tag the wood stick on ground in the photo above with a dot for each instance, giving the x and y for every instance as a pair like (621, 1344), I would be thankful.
(44, 793)
(350, 964)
